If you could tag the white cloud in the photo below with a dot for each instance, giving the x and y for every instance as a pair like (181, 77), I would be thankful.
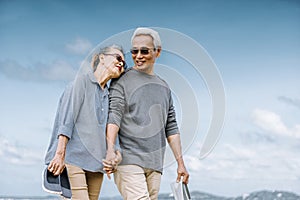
(193, 163)
(79, 46)
(272, 122)
(58, 70)
(240, 162)
(15, 154)
(264, 162)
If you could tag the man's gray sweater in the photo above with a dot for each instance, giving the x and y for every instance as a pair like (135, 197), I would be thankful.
(141, 105)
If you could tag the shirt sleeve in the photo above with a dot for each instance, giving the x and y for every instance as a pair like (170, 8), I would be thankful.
(65, 120)
(70, 104)
(171, 126)
(116, 102)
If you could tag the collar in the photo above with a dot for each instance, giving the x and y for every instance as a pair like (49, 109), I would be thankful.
(93, 79)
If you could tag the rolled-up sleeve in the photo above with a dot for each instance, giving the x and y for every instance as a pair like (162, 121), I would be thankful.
(65, 120)
(116, 102)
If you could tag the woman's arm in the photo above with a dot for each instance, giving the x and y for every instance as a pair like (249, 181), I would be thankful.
(57, 164)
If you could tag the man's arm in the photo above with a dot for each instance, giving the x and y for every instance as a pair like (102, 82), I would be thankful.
(111, 135)
(174, 141)
(116, 110)
(175, 144)
(113, 157)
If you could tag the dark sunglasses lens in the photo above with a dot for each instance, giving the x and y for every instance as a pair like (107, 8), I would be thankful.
(119, 58)
(134, 51)
(144, 51)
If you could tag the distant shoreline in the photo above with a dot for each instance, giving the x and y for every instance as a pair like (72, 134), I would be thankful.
(196, 195)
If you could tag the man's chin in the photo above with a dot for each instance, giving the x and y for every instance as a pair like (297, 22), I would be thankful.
(141, 67)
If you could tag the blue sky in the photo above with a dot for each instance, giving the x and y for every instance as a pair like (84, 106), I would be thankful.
(254, 44)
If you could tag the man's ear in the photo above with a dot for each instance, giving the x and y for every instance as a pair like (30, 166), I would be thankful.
(158, 50)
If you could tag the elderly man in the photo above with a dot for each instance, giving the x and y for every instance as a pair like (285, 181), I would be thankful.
(142, 114)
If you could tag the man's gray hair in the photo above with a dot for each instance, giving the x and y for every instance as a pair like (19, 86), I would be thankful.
(150, 32)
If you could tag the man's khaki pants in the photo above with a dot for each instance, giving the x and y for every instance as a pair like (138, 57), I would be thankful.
(135, 182)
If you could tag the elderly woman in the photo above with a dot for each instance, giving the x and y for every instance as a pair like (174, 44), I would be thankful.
(78, 139)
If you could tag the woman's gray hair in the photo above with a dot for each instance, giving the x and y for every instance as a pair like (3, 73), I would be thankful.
(104, 50)
(148, 31)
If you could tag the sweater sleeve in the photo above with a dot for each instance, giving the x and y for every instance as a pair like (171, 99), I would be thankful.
(116, 102)
(171, 126)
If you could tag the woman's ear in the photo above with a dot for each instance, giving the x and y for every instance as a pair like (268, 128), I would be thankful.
(101, 58)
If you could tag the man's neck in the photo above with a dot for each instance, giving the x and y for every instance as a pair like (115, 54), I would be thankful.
(148, 70)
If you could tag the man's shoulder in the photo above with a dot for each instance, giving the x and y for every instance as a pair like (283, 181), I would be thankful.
(162, 81)
(127, 73)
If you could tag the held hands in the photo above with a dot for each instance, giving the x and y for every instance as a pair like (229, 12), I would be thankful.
(57, 165)
(111, 162)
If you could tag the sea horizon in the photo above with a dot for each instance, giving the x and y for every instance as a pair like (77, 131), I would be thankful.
(195, 195)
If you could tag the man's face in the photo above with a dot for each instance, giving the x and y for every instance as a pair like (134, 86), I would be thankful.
(144, 53)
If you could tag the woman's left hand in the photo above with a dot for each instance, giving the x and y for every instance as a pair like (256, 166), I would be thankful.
(57, 165)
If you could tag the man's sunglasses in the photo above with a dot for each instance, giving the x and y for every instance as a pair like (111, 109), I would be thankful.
(144, 51)
(118, 57)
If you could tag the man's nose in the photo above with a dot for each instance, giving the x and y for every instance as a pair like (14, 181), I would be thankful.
(139, 54)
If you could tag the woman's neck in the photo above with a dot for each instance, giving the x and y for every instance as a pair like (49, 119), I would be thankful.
(102, 76)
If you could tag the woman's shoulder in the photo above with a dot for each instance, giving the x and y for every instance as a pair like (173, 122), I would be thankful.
(81, 79)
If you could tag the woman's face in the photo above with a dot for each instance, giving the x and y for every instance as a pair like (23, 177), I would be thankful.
(114, 62)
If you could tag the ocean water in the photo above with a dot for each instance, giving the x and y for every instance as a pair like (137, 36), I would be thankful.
(195, 195)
